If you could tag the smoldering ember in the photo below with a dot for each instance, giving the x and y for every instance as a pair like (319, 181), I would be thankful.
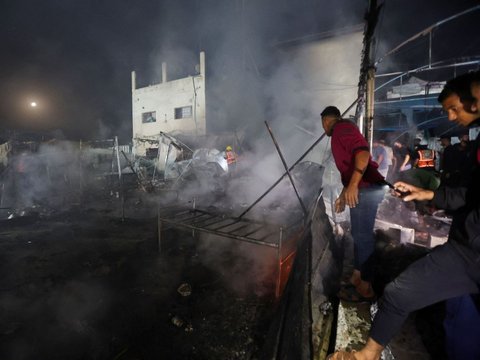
(168, 190)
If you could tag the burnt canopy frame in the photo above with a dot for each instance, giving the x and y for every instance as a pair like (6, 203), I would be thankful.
(240, 229)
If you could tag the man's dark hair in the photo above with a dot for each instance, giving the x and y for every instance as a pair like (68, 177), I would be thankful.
(330, 111)
(460, 86)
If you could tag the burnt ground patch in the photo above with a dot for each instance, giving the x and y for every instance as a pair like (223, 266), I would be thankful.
(86, 285)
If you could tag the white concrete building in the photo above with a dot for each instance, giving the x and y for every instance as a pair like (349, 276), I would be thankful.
(174, 107)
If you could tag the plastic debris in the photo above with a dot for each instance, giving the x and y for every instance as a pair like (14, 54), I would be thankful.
(177, 321)
(326, 307)
(185, 289)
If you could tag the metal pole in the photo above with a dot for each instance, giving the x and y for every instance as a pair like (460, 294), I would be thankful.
(279, 263)
(284, 174)
(195, 106)
(133, 170)
(427, 31)
(158, 159)
(166, 162)
(117, 153)
(120, 180)
(286, 168)
(435, 66)
(370, 105)
(80, 168)
(295, 164)
(367, 70)
(430, 51)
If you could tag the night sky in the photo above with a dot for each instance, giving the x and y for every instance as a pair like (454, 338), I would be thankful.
(75, 57)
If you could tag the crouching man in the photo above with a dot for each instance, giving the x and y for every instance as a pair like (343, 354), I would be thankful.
(452, 269)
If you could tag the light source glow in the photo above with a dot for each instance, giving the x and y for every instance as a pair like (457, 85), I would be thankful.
(33, 104)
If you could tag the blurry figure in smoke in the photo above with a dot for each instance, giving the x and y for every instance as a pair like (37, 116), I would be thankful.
(362, 192)
(379, 155)
(451, 271)
(390, 158)
(231, 158)
(402, 155)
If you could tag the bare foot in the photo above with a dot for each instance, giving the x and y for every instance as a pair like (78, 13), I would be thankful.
(342, 355)
(356, 278)
(364, 288)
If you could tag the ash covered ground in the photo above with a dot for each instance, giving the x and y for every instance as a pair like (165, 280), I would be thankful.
(82, 275)
(83, 284)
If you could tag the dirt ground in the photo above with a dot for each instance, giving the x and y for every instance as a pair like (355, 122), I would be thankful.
(83, 284)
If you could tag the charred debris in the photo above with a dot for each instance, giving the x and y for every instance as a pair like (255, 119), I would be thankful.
(112, 255)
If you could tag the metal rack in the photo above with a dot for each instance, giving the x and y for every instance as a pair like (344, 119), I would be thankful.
(279, 237)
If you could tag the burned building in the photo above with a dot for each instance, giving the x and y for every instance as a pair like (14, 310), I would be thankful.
(175, 106)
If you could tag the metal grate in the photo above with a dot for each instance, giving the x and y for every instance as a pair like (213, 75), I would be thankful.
(253, 232)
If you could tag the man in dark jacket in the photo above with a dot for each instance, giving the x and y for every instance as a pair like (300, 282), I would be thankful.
(452, 269)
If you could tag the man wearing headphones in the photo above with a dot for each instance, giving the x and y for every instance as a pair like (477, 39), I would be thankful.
(450, 270)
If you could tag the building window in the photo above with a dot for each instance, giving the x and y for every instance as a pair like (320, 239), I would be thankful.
(151, 153)
(183, 112)
(149, 117)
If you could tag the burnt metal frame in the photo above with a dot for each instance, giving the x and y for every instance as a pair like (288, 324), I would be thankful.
(201, 221)
(304, 209)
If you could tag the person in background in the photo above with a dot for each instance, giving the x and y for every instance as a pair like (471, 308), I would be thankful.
(447, 162)
(424, 158)
(380, 156)
(463, 142)
(390, 158)
(462, 152)
(402, 155)
(423, 175)
(456, 162)
(413, 152)
(425, 179)
(450, 271)
(416, 144)
(362, 191)
(231, 158)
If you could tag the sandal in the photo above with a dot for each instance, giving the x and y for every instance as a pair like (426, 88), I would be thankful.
(342, 355)
(350, 294)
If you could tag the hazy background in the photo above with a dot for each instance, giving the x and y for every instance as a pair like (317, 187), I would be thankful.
(74, 58)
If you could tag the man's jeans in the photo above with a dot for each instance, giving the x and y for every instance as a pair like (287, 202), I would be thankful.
(362, 218)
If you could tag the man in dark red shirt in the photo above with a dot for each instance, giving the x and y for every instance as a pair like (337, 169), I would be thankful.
(362, 191)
